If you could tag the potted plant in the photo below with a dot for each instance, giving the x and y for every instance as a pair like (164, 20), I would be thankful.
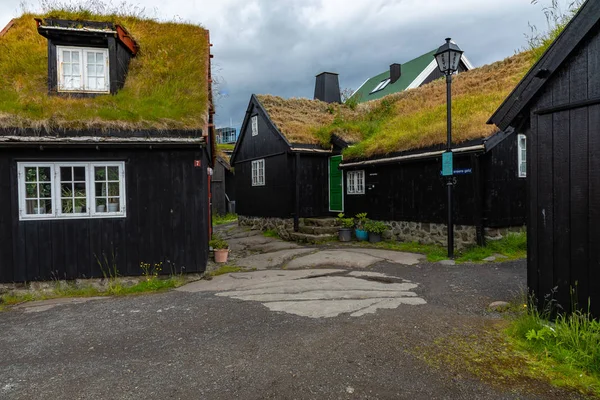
(345, 232)
(220, 249)
(375, 229)
(360, 232)
(113, 197)
(80, 201)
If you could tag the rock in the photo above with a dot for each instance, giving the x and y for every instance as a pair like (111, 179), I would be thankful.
(447, 262)
(490, 259)
(498, 306)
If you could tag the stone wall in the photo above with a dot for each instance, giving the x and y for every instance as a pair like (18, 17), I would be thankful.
(282, 226)
(403, 231)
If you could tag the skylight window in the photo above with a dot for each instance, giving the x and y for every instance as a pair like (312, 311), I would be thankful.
(381, 85)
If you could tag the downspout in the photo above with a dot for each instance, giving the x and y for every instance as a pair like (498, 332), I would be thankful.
(297, 192)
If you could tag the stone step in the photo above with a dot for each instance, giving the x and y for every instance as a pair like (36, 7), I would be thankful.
(325, 222)
(309, 238)
(319, 230)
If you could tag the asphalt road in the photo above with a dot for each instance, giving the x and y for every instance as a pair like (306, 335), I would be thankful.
(197, 345)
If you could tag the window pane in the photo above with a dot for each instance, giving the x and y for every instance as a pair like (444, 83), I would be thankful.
(31, 207)
(66, 56)
(90, 57)
(79, 174)
(100, 189)
(75, 56)
(100, 70)
(46, 206)
(79, 189)
(91, 83)
(113, 189)
(80, 205)
(31, 191)
(113, 205)
(67, 206)
(91, 70)
(75, 83)
(75, 69)
(66, 174)
(100, 83)
(44, 174)
(100, 205)
(99, 58)
(67, 69)
(66, 190)
(45, 190)
(30, 174)
(113, 173)
(100, 173)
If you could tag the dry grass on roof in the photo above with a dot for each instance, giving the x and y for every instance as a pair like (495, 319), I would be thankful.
(166, 87)
(416, 118)
(299, 119)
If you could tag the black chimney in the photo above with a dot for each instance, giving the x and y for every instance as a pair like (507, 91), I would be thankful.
(395, 72)
(327, 88)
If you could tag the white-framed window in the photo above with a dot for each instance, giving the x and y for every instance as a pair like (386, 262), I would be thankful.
(254, 121)
(381, 85)
(522, 156)
(355, 182)
(82, 69)
(258, 173)
(71, 190)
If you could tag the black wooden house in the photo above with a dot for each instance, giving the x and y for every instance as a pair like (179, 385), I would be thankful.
(98, 169)
(282, 169)
(395, 174)
(557, 106)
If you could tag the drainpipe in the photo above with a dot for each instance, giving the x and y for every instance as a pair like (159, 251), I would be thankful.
(479, 199)
(297, 193)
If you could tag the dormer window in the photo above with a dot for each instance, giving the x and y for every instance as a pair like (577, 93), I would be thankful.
(83, 69)
(381, 85)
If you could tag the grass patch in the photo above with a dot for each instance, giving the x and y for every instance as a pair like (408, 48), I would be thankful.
(272, 233)
(434, 253)
(512, 246)
(166, 85)
(226, 269)
(224, 219)
(115, 287)
(226, 146)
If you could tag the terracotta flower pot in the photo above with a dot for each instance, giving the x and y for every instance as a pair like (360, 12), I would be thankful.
(221, 255)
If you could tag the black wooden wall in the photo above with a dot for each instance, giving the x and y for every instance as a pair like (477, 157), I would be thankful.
(564, 182)
(505, 194)
(167, 214)
(218, 183)
(414, 191)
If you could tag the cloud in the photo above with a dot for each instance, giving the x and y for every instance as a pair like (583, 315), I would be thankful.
(278, 46)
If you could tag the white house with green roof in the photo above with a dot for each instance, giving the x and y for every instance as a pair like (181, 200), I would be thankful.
(399, 77)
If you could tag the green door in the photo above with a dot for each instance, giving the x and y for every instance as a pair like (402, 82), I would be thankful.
(336, 185)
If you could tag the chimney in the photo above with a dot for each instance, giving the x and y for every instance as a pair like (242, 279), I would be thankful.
(395, 72)
(327, 88)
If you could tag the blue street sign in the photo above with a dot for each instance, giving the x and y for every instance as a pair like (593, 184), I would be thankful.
(447, 163)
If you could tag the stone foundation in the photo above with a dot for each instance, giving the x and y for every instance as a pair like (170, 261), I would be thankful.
(281, 225)
(402, 231)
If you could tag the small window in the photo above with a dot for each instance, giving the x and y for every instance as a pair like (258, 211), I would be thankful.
(254, 120)
(82, 69)
(522, 159)
(258, 173)
(381, 85)
(355, 182)
(71, 190)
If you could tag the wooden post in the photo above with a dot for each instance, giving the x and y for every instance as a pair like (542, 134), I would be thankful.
(479, 220)
(297, 193)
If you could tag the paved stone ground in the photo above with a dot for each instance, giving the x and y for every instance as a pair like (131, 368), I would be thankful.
(231, 338)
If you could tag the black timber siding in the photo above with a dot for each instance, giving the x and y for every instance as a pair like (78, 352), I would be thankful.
(276, 197)
(167, 213)
(217, 186)
(414, 191)
(504, 193)
(564, 182)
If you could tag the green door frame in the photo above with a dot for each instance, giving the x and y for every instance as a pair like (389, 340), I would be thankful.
(341, 180)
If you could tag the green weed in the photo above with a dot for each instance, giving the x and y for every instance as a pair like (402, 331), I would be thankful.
(225, 269)
(512, 246)
(223, 219)
(272, 233)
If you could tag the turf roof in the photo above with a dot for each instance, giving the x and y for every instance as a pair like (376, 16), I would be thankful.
(416, 118)
(299, 119)
(410, 70)
(166, 87)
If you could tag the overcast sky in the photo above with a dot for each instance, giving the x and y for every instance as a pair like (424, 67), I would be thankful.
(278, 46)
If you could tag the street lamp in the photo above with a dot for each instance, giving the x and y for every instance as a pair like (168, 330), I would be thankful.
(447, 58)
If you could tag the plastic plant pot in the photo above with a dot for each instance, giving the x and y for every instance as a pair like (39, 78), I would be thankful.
(361, 235)
(374, 237)
(345, 234)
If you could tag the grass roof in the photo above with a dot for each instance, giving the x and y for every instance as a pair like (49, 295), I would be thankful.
(299, 119)
(166, 87)
(416, 118)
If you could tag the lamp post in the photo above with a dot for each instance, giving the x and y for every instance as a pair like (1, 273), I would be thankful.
(447, 58)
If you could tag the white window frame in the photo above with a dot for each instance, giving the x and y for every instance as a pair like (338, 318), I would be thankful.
(56, 195)
(83, 69)
(355, 182)
(522, 158)
(254, 124)
(258, 166)
(381, 85)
